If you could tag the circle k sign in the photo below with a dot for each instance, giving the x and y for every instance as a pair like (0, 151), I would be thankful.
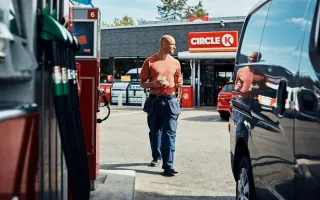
(213, 41)
(227, 40)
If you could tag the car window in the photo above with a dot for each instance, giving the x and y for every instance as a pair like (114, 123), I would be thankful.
(253, 33)
(283, 33)
(227, 88)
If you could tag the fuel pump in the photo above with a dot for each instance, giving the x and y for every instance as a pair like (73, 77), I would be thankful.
(19, 117)
(106, 103)
(59, 46)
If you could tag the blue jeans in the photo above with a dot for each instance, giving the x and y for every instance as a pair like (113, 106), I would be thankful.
(163, 112)
(236, 115)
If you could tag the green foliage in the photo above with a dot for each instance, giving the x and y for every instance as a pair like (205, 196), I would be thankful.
(196, 11)
(125, 21)
(178, 9)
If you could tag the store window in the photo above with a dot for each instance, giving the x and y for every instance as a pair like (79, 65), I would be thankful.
(253, 32)
(104, 65)
(186, 71)
(282, 46)
(141, 61)
(227, 76)
(125, 67)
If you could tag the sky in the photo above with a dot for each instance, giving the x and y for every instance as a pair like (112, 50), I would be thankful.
(147, 9)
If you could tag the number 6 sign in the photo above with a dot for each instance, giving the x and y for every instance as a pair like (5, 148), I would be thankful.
(92, 14)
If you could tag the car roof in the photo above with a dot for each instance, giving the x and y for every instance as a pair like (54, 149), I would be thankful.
(134, 71)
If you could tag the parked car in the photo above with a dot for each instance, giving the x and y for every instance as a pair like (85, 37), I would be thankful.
(275, 122)
(135, 74)
(224, 98)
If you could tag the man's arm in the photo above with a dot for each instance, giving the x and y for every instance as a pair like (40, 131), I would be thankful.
(179, 81)
(236, 84)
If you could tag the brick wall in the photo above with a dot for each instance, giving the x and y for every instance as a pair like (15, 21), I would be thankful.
(144, 40)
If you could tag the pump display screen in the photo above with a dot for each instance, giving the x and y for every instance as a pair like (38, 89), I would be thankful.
(84, 31)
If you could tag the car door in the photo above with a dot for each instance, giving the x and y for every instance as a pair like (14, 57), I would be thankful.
(307, 119)
(272, 125)
(250, 39)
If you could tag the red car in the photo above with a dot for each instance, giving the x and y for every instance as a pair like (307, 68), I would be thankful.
(224, 99)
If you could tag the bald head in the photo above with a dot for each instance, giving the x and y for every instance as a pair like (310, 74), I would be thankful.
(255, 56)
(167, 44)
(166, 38)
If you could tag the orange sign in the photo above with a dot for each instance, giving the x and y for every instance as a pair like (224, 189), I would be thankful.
(223, 41)
(125, 78)
(82, 39)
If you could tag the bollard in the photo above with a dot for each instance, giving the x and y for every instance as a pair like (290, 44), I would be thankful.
(143, 99)
(120, 100)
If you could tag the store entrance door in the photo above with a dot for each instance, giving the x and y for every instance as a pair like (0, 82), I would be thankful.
(223, 74)
(212, 79)
(207, 85)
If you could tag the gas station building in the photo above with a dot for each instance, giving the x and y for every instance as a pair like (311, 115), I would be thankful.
(205, 49)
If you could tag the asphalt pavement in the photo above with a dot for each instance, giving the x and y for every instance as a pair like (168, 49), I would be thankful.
(202, 155)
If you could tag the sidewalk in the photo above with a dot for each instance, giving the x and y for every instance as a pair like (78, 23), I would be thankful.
(115, 185)
(139, 108)
(125, 155)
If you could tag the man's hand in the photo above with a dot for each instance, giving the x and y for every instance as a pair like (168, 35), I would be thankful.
(179, 83)
(153, 84)
(158, 83)
(237, 86)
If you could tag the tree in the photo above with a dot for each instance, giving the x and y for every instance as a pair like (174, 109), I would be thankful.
(172, 9)
(125, 21)
(196, 11)
(178, 9)
(141, 21)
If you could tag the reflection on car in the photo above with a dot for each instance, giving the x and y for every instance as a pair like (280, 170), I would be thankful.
(275, 120)
(224, 101)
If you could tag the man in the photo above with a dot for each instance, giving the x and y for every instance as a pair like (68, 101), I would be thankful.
(247, 79)
(162, 74)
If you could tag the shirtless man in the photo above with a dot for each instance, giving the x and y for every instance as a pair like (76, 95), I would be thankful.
(246, 80)
(162, 74)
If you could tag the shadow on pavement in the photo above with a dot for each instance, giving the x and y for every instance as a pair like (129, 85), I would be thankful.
(135, 108)
(126, 166)
(139, 108)
(156, 196)
(205, 118)
(208, 109)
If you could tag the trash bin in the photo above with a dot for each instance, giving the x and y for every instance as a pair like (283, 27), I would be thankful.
(187, 97)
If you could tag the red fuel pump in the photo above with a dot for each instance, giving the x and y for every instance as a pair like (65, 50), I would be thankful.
(88, 110)
(87, 29)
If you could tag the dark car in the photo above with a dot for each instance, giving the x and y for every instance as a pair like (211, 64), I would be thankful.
(275, 119)
(224, 98)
